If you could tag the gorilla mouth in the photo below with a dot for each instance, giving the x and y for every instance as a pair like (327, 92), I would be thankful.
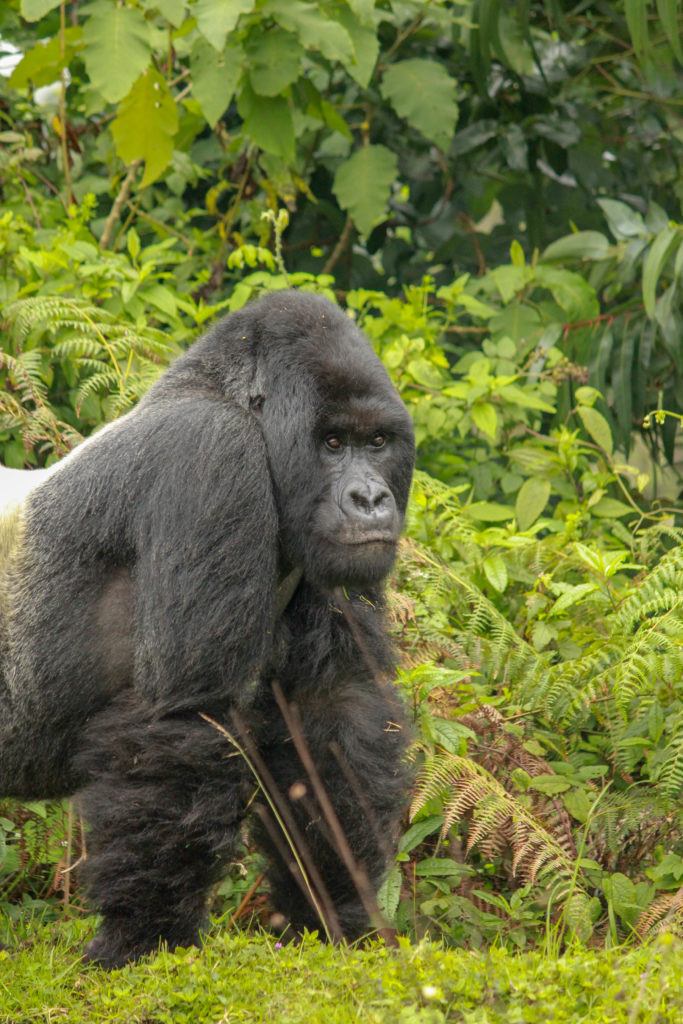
(370, 537)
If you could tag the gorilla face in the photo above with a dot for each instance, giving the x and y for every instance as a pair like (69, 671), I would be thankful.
(341, 452)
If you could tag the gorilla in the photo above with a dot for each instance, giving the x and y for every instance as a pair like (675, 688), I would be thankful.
(191, 629)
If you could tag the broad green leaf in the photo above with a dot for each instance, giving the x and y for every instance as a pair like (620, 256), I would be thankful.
(315, 29)
(532, 498)
(654, 264)
(489, 511)
(268, 122)
(551, 785)
(450, 735)
(610, 508)
(214, 77)
(432, 867)
(597, 426)
(419, 831)
(425, 373)
(572, 594)
(582, 245)
(145, 125)
(517, 395)
(44, 63)
(668, 11)
(217, 18)
(273, 60)
(496, 572)
(624, 221)
(485, 418)
(365, 45)
(117, 48)
(362, 184)
(572, 292)
(622, 894)
(389, 892)
(34, 10)
(636, 19)
(172, 10)
(423, 93)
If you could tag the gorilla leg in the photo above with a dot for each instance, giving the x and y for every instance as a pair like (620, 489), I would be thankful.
(356, 743)
(164, 807)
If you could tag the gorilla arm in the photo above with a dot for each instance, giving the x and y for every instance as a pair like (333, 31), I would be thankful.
(205, 572)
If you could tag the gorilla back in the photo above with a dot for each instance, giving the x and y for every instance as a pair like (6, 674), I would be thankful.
(217, 552)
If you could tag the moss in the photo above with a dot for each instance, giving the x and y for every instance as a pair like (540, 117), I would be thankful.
(238, 977)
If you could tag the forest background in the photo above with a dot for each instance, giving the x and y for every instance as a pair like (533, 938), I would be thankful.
(493, 190)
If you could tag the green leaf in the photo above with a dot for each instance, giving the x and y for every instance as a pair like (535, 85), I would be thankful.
(214, 77)
(654, 264)
(597, 427)
(433, 867)
(362, 184)
(45, 62)
(495, 572)
(145, 125)
(636, 19)
(610, 508)
(117, 48)
(551, 785)
(423, 93)
(624, 221)
(172, 10)
(389, 892)
(273, 60)
(525, 398)
(268, 122)
(581, 245)
(419, 831)
(621, 892)
(315, 29)
(531, 500)
(425, 373)
(34, 10)
(485, 418)
(572, 292)
(668, 11)
(489, 511)
(365, 45)
(217, 18)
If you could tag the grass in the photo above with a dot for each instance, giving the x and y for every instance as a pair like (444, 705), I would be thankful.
(239, 977)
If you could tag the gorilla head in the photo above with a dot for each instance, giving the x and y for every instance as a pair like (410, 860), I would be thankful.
(339, 439)
(341, 484)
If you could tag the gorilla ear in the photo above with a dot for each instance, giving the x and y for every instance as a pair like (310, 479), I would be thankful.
(256, 403)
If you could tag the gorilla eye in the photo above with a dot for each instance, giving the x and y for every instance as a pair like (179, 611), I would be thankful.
(378, 441)
(334, 442)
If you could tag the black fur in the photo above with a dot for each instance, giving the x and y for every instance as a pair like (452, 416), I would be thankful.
(143, 594)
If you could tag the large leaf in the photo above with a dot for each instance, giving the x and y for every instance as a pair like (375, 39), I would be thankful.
(668, 11)
(581, 245)
(145, 125)
(363, 183)
(316, 30)
(597, 426)
(274, 59)
(117, 48)
(217, 18)
(268, 122)
(624, 221)
(424, 93)
(365, 44)
(655, 261)
(214, 77)
(44, 63)
(531, 500)
(34, 10)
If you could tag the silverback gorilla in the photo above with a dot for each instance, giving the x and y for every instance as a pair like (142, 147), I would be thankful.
(218, 553)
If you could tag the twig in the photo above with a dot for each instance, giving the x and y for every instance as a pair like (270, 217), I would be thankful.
(339, 248)
(245, 900)
(117, 206)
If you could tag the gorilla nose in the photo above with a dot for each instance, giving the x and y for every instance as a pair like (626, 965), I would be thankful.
(369, 503)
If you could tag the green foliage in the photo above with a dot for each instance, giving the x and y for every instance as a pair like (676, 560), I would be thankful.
(235, 976)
